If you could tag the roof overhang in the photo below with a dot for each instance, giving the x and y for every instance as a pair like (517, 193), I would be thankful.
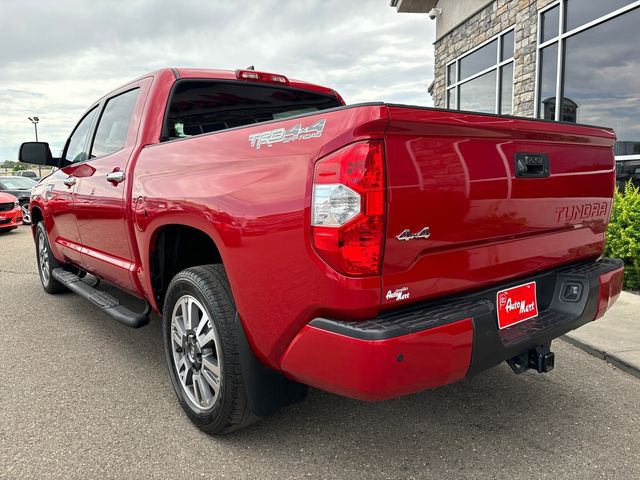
(413, 6)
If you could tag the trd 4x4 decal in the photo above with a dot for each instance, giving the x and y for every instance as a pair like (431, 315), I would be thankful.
(282, 135)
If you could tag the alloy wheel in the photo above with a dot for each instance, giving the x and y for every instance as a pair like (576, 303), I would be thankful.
(26, 215)
(197, 356)
(43, 256)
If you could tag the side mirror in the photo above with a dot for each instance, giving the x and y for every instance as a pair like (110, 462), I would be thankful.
(37, 153)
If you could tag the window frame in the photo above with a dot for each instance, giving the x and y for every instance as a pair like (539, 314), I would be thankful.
(497, 67)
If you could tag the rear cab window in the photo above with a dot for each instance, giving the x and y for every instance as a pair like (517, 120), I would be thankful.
(205, 106)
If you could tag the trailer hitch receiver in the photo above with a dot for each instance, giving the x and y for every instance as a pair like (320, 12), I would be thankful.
(540, 359)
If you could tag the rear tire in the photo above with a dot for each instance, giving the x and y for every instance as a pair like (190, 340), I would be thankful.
(201, 347)
(46, 262)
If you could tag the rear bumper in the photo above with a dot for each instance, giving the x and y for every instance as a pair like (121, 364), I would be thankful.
(435, 343)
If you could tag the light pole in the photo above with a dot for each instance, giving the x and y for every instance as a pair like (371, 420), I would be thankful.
(35, 121)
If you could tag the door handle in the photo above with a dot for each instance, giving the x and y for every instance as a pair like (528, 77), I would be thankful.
(69, 181)
(115, 177)
(532, 165)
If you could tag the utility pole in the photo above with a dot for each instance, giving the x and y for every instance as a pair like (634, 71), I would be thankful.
(35, 121)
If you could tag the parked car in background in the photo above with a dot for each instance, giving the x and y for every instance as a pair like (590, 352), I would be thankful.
(27, 174)
(10, 213)
(627, 170)
(19, 187)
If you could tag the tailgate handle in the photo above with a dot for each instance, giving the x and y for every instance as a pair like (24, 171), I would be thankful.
(532, 165)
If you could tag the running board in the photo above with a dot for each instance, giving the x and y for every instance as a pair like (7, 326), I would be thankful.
(109, 304)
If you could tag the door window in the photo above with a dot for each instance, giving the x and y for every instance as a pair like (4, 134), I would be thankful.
(111, 134)
(77, 147)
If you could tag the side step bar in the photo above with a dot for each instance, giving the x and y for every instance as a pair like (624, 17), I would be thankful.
(109, 304)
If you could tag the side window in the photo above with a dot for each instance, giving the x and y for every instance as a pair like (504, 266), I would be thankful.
(111, 134)
(77, 149)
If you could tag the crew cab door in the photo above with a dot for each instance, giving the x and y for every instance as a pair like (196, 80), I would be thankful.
(100, 200)
(59, 189)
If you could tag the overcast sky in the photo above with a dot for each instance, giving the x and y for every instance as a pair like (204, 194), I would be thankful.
(58, 56)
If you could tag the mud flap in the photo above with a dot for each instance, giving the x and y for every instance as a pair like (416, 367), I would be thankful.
(267, 389)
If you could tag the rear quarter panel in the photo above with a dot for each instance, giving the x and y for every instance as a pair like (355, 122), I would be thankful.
(254, 203)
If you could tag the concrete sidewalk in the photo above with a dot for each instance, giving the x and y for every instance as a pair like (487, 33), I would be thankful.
(616, 336)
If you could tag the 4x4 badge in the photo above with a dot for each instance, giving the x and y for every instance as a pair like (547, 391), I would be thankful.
(406, 234)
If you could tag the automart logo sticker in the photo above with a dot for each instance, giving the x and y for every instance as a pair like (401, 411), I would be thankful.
(282, 135)
(398, 294)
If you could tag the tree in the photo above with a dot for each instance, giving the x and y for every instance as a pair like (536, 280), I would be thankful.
(20, 166)
(8, 164)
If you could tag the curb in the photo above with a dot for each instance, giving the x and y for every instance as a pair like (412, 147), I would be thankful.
(607, 357)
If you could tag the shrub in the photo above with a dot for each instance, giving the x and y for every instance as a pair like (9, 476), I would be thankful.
(623, 235)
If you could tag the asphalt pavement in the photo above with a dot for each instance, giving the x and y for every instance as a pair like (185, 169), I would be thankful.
(84, 397)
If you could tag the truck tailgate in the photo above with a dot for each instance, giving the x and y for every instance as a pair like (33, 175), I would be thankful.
(501, 198)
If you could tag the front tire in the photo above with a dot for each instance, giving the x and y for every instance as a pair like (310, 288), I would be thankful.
(201, 347)
(46, 262)
(26, 213)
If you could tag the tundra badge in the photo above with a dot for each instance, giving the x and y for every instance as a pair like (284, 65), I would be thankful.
(406, 234)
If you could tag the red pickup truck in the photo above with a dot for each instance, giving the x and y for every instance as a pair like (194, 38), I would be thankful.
(289, 240)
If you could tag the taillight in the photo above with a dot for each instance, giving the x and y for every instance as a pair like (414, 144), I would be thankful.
(348, 208)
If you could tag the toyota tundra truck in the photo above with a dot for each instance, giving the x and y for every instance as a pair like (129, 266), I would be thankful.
(289, 240)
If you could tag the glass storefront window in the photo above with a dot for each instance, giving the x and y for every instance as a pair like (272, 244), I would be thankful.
(472, 77)
(604, 83)
(451, 98)
(506, 95)
(548, 76)
(451, 74)
(550, 24)
(479, 60)
(508, 44)
(599, 81)
(580, 12)
(479, 94)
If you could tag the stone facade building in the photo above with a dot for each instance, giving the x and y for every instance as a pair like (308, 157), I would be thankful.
(518, 56)
(489, 21)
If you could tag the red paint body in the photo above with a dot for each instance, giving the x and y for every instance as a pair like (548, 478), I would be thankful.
(610, 288)
(450, 171)
(383, 369)
(10, 217)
